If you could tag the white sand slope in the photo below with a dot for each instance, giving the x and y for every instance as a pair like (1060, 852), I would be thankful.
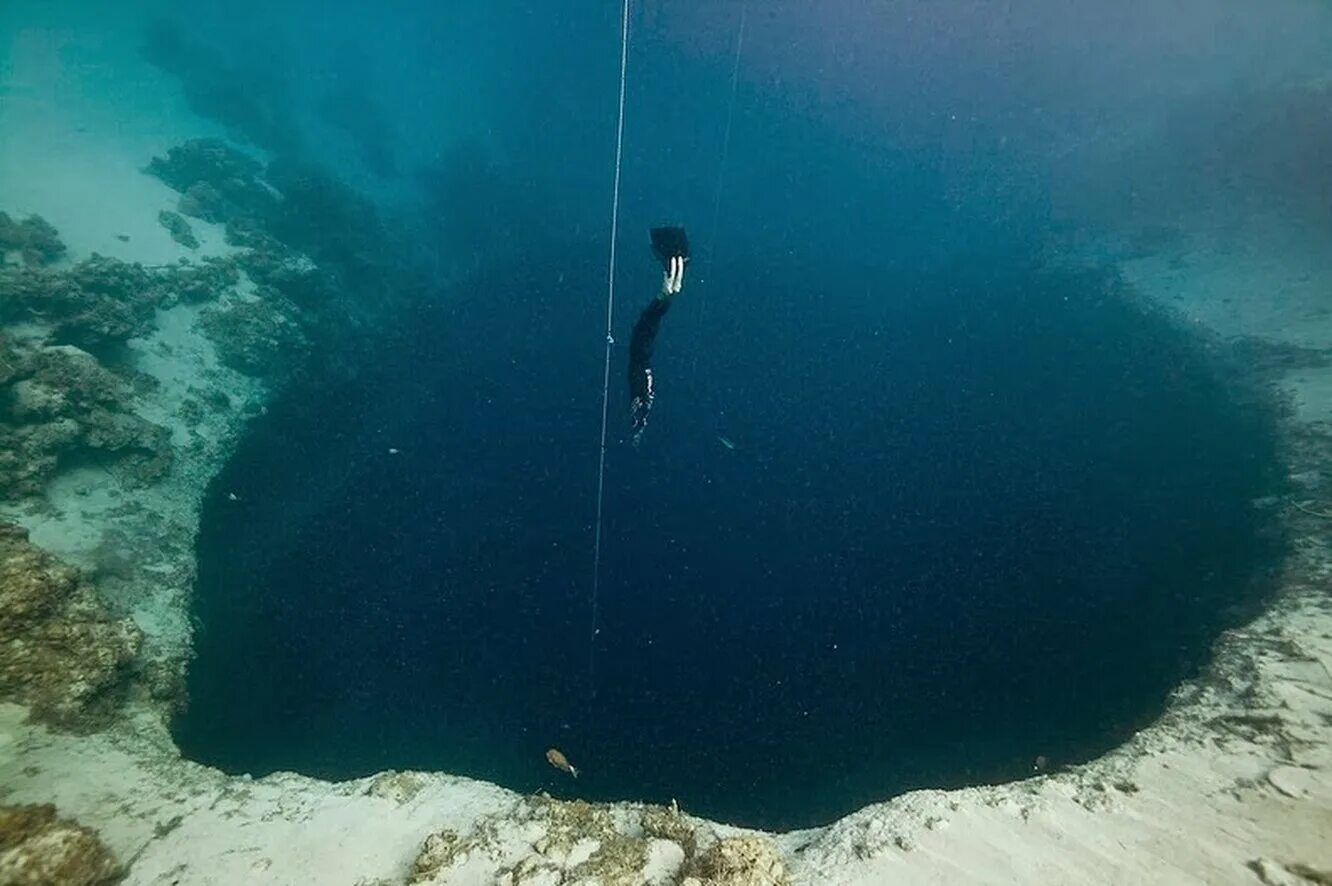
(1233, 785)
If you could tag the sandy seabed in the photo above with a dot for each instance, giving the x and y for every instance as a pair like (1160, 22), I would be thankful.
(1231, 785)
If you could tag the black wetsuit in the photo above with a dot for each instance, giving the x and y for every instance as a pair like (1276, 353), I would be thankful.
(641, 392)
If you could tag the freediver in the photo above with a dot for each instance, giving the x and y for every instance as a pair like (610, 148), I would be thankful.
(671, 246)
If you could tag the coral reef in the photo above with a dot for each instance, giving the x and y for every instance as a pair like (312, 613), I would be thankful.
(57, 403)
(317, 252)
(38, 848)
(337, 227)
(549, 841)
(178, 228)
(193, 282)
(441, 851)
(400, 787)
(95, 304)
(294, 210)
(739, 861)
(665, 823)
(217, 183)
(61, 651)
(33, 240)
(102, 302)
(259, 336)
(269, 264)
(10, 360)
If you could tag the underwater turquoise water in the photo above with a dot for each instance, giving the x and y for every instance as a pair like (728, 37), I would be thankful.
(916, 507)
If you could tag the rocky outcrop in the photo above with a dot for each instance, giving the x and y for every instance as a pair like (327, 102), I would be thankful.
(59, 404)
(32, 241)
(216, 182)
(96, 303)
(549, 841)
(62, 653)
(37, 848)
(178, 228)
(258, 337)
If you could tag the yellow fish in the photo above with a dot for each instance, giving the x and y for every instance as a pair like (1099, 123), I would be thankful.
(557, 759)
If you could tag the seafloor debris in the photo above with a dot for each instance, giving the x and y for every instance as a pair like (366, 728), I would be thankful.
(32, 240)
(61, 651)
(39, 848)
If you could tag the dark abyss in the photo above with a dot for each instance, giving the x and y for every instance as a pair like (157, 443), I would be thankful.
(974, 512)
(968, 521)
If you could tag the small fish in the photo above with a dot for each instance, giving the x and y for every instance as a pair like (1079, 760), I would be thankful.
(557, 759)
(393, 450)
(726, 441)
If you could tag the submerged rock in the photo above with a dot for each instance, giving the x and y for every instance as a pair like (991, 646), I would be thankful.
(33, 240)
(203, 201)
(98, 302)
(61, 651)
(178, 228)
(62, 403)
(194, 282)
(739, 861)
(544, 840)
(10, 359)
(258, 337)
(39, 848)
(216, 181)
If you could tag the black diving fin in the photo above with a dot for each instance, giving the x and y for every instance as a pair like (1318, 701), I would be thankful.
(669, 242)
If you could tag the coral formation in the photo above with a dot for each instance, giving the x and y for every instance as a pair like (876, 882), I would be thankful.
(61, 651)
(304, 214)
(216, 181)
(739, 861)
(58, 403)
(194, 282)
(101, 302)
(32, 240)
(330, 222)
(256, 336)
(441, 851)
(315, 249)
(544, 840)
(38, 848)
(271, 265)
(178, 228)
(97, 303)
(664, 823)
(400, 787)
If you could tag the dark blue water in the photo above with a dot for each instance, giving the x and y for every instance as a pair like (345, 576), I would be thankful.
(969, 522)
(912, 510)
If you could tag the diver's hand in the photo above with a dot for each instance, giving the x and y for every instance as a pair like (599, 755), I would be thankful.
(673, 280)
